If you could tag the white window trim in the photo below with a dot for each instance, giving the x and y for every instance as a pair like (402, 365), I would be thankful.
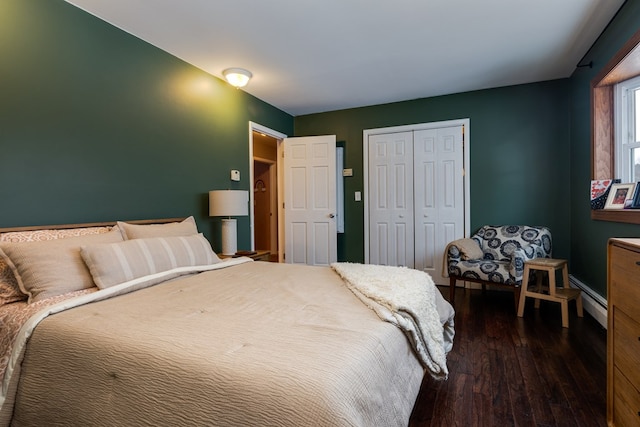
(625, 138)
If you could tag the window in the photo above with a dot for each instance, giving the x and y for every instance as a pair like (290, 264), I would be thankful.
(606, 158)
(627, 130)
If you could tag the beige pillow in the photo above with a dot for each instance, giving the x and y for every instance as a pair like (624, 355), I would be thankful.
(469, 249)
(115, 263)
(137, 231)
(49, 268)
(51, 234)
(9, 288)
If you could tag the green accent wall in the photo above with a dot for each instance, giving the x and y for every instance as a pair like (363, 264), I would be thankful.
(98, 125)
(519, 154)
(588, 237)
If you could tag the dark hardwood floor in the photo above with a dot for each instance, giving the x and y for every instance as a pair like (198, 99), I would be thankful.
(511, 371)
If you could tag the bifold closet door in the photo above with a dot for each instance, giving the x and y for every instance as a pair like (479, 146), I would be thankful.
(416, 197)
(438, 195)
(391, 217)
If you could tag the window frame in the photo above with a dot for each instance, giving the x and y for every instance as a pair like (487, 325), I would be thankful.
(626, 101)
(624, 65)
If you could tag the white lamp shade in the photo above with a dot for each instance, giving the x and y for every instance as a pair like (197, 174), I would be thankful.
(228, 203)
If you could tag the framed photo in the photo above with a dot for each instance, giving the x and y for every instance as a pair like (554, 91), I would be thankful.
(619, 194)
(635, 203)
(600, 191)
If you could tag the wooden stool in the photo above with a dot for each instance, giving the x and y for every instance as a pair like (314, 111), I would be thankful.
(562, 295)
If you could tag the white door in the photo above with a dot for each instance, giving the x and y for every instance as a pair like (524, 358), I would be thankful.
(310, 200)
(438, 196)
(391, 199)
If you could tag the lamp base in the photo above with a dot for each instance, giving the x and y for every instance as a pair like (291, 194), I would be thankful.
(229, 236)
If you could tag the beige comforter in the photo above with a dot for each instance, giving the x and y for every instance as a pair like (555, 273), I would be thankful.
(256, 344)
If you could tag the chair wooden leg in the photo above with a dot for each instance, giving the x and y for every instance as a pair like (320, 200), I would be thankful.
(579, 305)
(539, 280)
(521, 301)
(516, 298)
(452, 290)
(565, 313)
(522, 291)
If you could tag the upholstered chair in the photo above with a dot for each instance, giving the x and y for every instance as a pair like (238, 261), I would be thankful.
(495, 255)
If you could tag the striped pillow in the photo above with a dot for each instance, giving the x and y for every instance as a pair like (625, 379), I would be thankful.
(115, 263)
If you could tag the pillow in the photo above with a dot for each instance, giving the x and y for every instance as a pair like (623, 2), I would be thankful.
(112, 264)
(469, 249)
(137, 231)
(9, 288)
(54, 267)
(53, 234)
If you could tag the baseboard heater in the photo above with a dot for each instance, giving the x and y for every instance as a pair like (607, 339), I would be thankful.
(594, 303)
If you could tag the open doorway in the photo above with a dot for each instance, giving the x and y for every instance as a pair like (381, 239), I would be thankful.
(264, 148)
(265, 194)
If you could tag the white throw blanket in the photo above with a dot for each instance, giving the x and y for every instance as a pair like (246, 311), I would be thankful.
(407, 299)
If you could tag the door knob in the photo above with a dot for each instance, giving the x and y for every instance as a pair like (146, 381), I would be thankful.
(332, 216)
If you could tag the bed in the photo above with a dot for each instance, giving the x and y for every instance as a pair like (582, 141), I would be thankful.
(142, 324)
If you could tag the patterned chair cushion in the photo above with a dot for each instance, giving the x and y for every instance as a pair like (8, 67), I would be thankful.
(505, 250)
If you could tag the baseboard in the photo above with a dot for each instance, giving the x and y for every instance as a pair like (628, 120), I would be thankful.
(593, 303)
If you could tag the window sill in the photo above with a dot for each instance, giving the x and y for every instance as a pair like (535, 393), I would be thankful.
(617, 215)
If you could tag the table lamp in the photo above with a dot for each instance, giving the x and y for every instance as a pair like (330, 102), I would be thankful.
(228, 203)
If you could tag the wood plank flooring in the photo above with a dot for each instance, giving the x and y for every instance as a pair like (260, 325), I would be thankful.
(511, 371)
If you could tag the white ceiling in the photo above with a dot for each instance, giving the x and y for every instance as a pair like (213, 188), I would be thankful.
(311, 56)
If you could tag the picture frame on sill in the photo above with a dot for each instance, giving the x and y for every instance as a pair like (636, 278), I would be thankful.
(635, 202)
(619, 194)
(600, 191)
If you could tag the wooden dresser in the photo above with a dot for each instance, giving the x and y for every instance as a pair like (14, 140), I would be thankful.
(623, 333)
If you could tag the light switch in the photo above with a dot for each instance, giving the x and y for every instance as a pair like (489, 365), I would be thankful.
(235, 175)
(358, 196)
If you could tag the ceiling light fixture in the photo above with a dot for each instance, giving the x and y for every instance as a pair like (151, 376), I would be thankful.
(238, 77)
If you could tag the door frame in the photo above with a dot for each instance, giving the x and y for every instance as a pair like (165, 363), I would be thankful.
(279, 136)
(405, 128)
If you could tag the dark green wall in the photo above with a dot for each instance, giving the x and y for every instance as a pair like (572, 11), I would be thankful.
(519, 154)
(97, 125)
(530, 155)
(589, 237)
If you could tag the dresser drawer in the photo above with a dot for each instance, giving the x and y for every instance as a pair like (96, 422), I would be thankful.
(626, 409)
(626, 345)
(624, 280)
